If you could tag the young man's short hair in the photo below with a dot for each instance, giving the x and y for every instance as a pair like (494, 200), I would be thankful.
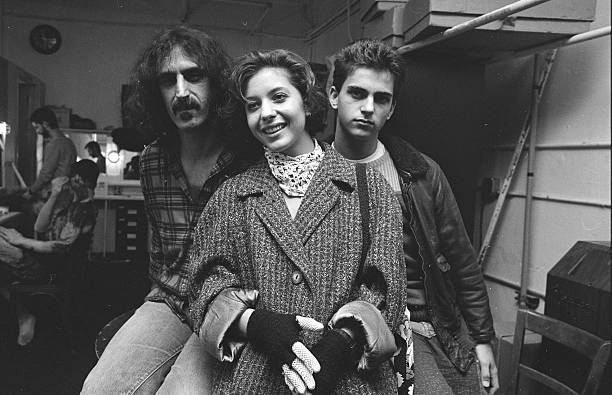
(44, 114)
(373, 54)
(88, 170)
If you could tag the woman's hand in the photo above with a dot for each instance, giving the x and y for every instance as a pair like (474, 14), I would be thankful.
(276, 335)
(57, 184)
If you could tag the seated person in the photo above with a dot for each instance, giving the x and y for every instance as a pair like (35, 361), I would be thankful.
(68, 214)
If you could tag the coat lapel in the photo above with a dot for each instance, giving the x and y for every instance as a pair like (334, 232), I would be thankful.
(272, 210)
(334, 175)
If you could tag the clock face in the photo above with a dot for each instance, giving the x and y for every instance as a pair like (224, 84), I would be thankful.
(45, 39)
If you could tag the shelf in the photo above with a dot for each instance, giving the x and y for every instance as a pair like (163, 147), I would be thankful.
(86, 131)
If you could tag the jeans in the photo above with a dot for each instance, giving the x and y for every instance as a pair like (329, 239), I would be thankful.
(153, 352)
(435, 374)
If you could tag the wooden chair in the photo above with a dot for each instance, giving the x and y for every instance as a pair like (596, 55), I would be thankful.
(593, 347)
(67, 273)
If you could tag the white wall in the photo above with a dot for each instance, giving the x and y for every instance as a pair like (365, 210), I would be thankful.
(96, 57)
(575, 109)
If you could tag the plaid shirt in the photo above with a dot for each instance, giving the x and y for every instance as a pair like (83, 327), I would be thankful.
(173, 214)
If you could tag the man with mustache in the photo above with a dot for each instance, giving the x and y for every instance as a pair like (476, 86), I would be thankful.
(449, 308)
(180, 90)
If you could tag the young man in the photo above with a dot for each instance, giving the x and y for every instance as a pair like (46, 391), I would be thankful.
(68, 214)
(59, 153)
(180, 87)
(451, 319)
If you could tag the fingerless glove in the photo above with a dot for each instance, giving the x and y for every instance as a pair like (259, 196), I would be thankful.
(273, 334)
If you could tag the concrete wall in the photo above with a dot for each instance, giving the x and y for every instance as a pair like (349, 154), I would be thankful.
(575, 110)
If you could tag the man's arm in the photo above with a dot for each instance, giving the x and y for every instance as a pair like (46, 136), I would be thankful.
(467, 279)
(50, 162)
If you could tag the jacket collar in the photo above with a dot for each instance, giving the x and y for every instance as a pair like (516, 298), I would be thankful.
(405, 156)
(334, 167)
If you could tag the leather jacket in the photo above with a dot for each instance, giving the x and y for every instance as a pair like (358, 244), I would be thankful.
(455, 292)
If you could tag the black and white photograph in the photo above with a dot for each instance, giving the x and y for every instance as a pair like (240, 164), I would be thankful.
(308, 197)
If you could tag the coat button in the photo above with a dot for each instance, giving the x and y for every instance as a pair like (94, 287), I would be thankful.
(296, 277)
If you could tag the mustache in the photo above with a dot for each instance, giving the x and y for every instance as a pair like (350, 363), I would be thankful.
(185, 104)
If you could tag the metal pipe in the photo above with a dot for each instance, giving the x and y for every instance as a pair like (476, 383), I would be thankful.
(146, 24)
(500, 13)
(260, 20)
(244, 2)
(513, 285)
(348, 21)
(2, 29)
(564, 42)
(334, 20)
(529, 184)
(562, 146)
(563, 200)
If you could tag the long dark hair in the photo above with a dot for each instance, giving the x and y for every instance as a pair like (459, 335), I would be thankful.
(145, 106)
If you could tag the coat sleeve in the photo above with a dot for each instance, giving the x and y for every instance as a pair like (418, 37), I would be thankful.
(459, 257)
(216, 297)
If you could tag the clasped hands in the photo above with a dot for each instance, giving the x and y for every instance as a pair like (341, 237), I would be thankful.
(276, 335)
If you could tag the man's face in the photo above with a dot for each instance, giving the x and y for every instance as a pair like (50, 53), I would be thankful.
(38, 128)
(364, 103)
(185, 90)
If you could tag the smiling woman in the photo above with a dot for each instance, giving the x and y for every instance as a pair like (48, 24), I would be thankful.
(275, 113)
(297, 207)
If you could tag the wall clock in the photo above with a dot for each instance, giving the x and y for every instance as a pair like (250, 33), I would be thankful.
(45, 39)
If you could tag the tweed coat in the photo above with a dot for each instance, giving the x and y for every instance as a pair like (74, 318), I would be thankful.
(308, 265)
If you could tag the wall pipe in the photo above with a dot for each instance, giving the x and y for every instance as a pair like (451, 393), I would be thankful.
(554, 147)
(564, 42)
(511, 284)
(529, 184)
(261, 19)
(146, 24)
(472, 24)
(563, 200)
(333, 21)
(2, 23)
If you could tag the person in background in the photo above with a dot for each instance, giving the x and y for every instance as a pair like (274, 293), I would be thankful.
(59, 152)
(449, 308)
(180, 83)
(68, 214)
(93, 149)
(283, 244)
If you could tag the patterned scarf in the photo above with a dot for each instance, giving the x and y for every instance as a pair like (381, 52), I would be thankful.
(294, 173)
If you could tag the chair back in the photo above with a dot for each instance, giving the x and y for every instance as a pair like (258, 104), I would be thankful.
(588, 344)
